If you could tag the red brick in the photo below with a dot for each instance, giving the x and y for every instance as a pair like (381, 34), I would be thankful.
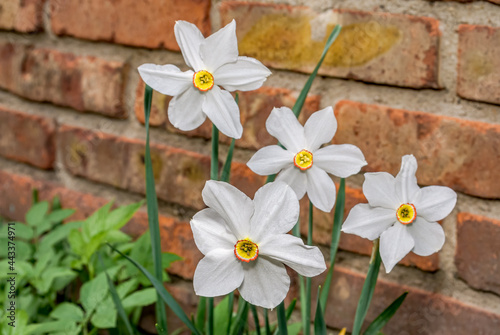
(385, 48)
(128, 22)
(477, 255)
(255, 107)
(478, 62)
(467, 1)
(84, 83)
(423, 312)
(21, 15)
(27, 138)
(322, 232)
(461, 154)
(15, 200)
(180, 175)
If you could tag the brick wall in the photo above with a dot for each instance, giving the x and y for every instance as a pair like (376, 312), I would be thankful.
(414, 76)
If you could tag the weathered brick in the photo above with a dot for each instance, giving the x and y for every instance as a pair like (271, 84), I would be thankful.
(467, 1)
(128, 22)
(461, 154)
(323, 225)
(21, 15)
(84, 83)
(477, 254)
(423, 312)
(255, 107)
(385, 48)
(15, 200)
(180, 175)
(478, 62)
(27, 138)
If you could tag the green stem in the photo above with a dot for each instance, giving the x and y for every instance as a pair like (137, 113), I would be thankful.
(282, 319)
(307, 301)
(266, 319)
(368, 289)
(214, 162)
(210, 328)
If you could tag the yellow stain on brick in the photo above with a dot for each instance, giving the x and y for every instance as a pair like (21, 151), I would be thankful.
(478, 65)
(285, 39)
(192, 171)
(156, 164)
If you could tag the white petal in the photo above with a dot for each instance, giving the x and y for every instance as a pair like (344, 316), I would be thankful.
(230, 203)
(341, 160)
(266, 283)
(246, 74)
(434, 203)
(395, 243)
(368, 222)
(189, 38)
(184, 110)
(428, 236)
(406, 181)
(379, 189)
(221, 108)
(276, 210)
(295, 178)
(283, 125)
(220, 48)
(270, 160)
(210, 231)
(166, 79)
(320, 189)
(305, 259)
(218, 273)
(320, 128)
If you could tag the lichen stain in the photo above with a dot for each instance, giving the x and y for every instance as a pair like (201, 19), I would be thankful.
(478, 65)
(156, 163)
(78, 154)
(285, 39)
(192, 171)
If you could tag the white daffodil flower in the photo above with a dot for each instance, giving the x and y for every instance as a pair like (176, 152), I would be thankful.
(303, 164)
(214, 62)
(402, 214)
(246, 245)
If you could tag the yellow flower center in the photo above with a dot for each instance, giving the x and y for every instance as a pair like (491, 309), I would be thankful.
(303, 160)
(246, 251)
(203, 80)
(406, 213)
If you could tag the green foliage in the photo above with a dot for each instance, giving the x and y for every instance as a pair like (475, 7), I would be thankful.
(58, 262)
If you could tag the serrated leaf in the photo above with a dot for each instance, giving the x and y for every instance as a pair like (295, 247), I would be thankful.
(67, 311)
(140, 298)
(59, 215)
(37, 213)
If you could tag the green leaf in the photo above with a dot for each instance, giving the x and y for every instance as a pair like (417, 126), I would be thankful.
(118, 305)
(154, 225)
(319, 320)
(201, 314)
(338, 216)
(126, 287)
(120, 216)
(255, 318)
(67, 311)
(143, 297)
(384, 317)
(92, 226)
(76, 242)
(60, 215)
(164, 294)
(214, 158)
(52, 327)
(93, 292)
(105, 315)
(240, 319)
(167, 258)
(36, 213)
(368, 289)
(46, 279)
(221, 313)
(117, 236)
(58, 234)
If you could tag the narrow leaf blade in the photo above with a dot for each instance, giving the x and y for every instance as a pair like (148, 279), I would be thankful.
(384, 317)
